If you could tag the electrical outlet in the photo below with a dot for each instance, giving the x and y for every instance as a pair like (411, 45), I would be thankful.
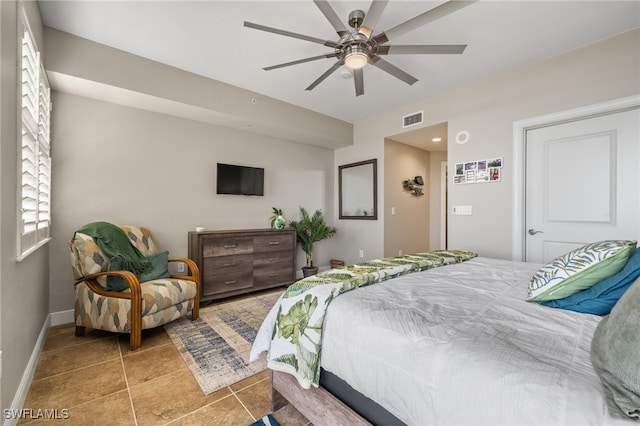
(399, 252)
(361, 253)
(181, 267)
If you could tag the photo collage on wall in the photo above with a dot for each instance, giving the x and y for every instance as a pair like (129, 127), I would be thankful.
(479, 171)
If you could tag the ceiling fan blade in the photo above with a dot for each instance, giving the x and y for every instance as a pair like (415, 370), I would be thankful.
(300, 61)
(422, 19)
(378, 62)
(427, 49)
(332, 17)
(326, 74)
(290, 34)
(372, 17)
(359, 81)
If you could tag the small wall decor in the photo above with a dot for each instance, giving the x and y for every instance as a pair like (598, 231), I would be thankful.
(414, 186)
(479, 171)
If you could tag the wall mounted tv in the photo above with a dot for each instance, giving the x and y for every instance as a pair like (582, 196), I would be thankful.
(239, 180)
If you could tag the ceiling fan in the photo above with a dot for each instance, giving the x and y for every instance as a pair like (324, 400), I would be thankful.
(357, 48)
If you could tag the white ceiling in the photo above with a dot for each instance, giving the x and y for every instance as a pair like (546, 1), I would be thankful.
(208, 38)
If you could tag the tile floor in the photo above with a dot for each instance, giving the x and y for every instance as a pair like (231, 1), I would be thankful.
(100, 381)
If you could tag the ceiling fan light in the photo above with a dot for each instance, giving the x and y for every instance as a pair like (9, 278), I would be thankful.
(356, 60)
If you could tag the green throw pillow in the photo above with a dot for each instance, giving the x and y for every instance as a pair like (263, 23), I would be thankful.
(159, 269)
(579, 269)
(614, 355)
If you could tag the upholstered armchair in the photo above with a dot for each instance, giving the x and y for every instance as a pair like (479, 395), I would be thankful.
(134, 306)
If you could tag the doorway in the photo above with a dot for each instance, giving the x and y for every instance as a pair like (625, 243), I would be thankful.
(415, 223)
(576, 179)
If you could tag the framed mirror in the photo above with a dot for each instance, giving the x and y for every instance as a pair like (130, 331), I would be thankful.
(358, 190)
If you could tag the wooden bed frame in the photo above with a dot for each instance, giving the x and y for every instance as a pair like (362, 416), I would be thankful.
(317, 404)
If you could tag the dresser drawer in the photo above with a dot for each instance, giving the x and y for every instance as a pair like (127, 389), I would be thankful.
(227, 264)
(226, 282)
(227, 273)
(270, 269)
(275, 241)
(226, 246)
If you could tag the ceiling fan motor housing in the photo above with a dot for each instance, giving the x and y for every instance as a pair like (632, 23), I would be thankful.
(356, 43)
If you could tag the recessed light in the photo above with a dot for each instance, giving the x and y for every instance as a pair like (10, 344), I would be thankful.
(436, 140)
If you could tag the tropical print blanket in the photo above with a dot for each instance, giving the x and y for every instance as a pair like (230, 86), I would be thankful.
(292, 331)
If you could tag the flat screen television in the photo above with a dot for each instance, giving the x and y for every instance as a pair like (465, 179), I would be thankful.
(239, 180)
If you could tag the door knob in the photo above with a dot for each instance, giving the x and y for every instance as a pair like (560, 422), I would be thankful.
(534, 232)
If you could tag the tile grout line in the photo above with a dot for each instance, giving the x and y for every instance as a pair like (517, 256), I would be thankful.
(73, 369)
(252, 384)
(126, 381)
(242, 403)
(198, 409)
(232, 394)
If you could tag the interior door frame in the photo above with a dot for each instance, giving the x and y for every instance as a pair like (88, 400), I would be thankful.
(520, 129)
(443, 204)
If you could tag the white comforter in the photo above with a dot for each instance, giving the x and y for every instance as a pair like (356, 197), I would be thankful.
(459, 345)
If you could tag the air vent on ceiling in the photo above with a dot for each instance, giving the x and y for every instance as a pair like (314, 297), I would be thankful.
(412, 119)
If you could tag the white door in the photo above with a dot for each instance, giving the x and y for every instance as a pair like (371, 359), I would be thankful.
(582, 184)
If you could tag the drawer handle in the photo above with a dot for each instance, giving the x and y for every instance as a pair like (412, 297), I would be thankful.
(230, 246)
(230, 282)
(274, 274)
(274, 243)
(226, 265)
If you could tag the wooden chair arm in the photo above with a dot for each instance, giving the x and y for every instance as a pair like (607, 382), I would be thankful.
(135, 296)
(129, 277)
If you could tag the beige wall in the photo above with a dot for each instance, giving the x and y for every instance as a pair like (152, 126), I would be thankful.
(24, 286)
(487, 109)
(126, 165)
(409, 229)
(79, 66)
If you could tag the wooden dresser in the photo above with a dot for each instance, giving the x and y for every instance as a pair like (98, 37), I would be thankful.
(241, 261)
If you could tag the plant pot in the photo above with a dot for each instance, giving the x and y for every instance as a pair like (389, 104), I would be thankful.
(279, 222)
(307, 271)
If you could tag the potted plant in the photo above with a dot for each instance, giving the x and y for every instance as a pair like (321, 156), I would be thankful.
(310, 229)
(276, 219)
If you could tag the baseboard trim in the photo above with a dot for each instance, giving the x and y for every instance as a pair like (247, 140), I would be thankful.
(62, 317)
(27, 377)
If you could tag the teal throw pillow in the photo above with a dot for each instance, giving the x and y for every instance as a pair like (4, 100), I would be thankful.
(602, 297)
(158, 269)
(579, 269)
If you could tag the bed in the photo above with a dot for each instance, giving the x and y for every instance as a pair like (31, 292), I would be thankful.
(449, 345)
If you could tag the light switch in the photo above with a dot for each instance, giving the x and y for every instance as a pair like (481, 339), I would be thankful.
(462, 210)
(393, 211)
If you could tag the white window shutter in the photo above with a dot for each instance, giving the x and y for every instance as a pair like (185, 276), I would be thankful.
(35, 164)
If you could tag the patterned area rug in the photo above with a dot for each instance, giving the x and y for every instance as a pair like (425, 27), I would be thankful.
(216, 346)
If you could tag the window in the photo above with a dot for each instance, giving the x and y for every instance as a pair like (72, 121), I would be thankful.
(35, 160)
